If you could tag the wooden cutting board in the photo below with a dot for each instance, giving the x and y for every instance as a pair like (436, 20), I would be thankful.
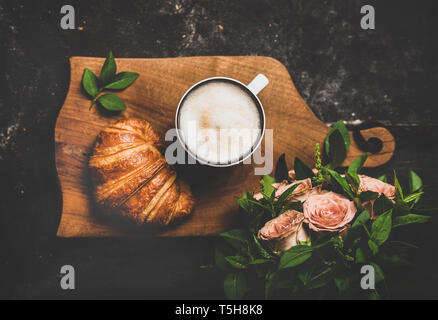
(154, 97)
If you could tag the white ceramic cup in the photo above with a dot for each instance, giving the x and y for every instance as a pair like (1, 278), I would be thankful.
(253, 89)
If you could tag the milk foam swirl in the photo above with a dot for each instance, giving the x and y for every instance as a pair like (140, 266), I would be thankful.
(219, 122)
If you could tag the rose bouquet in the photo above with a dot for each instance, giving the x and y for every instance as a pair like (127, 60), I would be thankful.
(309, 232)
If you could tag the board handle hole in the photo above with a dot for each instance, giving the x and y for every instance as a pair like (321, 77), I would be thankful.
(372, 145)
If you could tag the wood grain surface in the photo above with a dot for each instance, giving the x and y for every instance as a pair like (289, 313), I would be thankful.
(154, 97)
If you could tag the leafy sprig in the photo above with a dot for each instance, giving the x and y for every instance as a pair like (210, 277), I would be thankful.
(109, 79)
(327, 261)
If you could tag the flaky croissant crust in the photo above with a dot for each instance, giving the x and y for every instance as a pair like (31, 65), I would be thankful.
(131, 176)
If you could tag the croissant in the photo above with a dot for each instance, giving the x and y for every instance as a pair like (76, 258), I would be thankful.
(132, 178)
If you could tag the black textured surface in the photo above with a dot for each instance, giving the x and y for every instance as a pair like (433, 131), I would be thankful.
(343, 72)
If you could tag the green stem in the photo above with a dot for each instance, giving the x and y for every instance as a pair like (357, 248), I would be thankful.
(366, 229)
(322, 244)
(404, 244)
(93, 102)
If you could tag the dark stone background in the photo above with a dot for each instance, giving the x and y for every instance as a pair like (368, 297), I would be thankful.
(343, 72)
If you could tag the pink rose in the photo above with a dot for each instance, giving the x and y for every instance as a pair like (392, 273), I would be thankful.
(258, 196)
(375, 185)
(301, 192)
(328, 212)
(303, 187)
(285, 231)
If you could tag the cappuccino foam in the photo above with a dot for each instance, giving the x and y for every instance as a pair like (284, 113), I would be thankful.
(220, 122)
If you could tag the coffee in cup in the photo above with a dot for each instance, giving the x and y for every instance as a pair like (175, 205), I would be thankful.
(220, 121)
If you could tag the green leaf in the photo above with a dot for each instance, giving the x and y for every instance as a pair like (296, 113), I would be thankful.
(382, 204)
(237, 238)
(122, 80)
(235, 285)
(410, 219)
(378, 273)
(360, 256)
(260, 205)
(318, 280)
(342, 182)
(333, 147)
(244, 203)
(362, 219)
(109, 69)
(270, 282)
(238, 262)
(367, 196)
(340, 125)
(374, 295)
(260, 261)
(281, 170)
(89, 82)
(373, 247)
(353, 180)
(302, 170)
(415, 187)
(345, 282)
(357, 164)
(285, 195)
(415, 182)
(295, 256)
(337, 151)
(266, 187)
(260, 249)
(219, 259)
(381, 228)
(398, 188)
(383, 178)
(111, 102)
(305, 276)
(401, 208)
(413, 197)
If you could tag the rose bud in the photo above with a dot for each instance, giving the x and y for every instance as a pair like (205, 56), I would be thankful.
(258, 196)
(285, 231)
(328, 212)
(301, 192)
(375, 185)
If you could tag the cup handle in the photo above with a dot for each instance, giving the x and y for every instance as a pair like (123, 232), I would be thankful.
(258, 83)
